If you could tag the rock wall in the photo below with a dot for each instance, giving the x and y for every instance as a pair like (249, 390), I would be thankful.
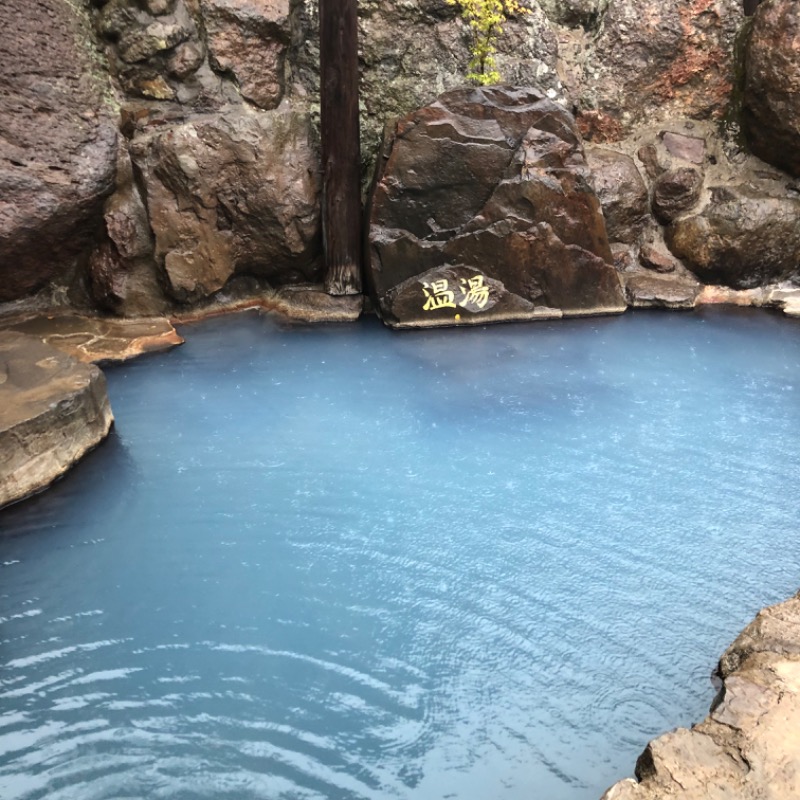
(58, 142)
(158, 155)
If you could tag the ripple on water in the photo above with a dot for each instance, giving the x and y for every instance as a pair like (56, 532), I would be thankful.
(338, 563)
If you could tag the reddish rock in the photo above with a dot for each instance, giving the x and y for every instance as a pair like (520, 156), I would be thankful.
(249, 40)
(652, 257)
(651, 61)
(58, 144)
(772, 87)
(491, 183)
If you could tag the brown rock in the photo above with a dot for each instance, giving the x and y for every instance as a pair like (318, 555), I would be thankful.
(742, 238)
(490, 183)
(53, 410)
(648, 290)
(249, 39)
(622, 193)
(652, 61)
(648, 155)
(675, 192)
(236, 193)
(772, 85)
(140, 44)
(748, 748)
(58, 144)
(652, 257)
(412, 51)
(123, 276)
(185, 59)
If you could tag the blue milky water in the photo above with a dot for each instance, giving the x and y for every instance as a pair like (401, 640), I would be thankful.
(346, 563)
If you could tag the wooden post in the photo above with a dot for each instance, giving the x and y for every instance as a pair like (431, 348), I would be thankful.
(341, 150)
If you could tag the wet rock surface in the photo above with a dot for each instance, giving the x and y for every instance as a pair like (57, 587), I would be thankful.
(748, 747)
(53, 409)
(231, 194)
(641, 62)
(483, 210)
(58, 142)
(772, 84)
(743, 237)
(622, 193)
(96, 339)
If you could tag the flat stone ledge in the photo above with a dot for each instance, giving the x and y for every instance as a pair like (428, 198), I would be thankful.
(303, 303)
(96, 339)
(53, 410)
(748, 747)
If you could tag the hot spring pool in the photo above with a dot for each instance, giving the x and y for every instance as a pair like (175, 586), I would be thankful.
(346, 563)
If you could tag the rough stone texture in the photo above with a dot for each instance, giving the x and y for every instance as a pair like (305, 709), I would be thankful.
(483, 208)
(748, 747)
(249, 39)
(772, 84)
(652, 61)
(743, 237)
(53, 409)
(57, 142)
(235, 193)
(123, 277)
(676, 192)
(649, 290)
(655, 258)
(622, 193)
(412, 51)
(96, 340)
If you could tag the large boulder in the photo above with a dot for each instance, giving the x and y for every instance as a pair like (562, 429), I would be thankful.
(482, 210)
(772, 84)
(58, 142)
(53, 409)
(743, 237)
(230, 194)
(622, 193)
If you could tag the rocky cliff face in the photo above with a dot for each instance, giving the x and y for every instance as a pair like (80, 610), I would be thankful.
(182, 163)
(58, 142)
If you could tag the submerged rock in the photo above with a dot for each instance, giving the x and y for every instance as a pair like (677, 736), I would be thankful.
(748, 747)
(53, 409)
(58, 143)
(483, 210)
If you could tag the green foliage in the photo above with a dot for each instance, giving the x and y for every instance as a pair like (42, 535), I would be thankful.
(485, 19)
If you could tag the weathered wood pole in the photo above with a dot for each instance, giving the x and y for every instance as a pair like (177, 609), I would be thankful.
(341, 150)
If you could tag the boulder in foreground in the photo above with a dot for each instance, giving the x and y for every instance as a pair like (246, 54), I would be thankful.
(748, 747)
(53, 410)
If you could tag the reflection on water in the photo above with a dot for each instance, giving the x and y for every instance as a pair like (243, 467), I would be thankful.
(345, 563)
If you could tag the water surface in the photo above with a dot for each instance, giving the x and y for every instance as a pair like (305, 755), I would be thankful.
(346, 563)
